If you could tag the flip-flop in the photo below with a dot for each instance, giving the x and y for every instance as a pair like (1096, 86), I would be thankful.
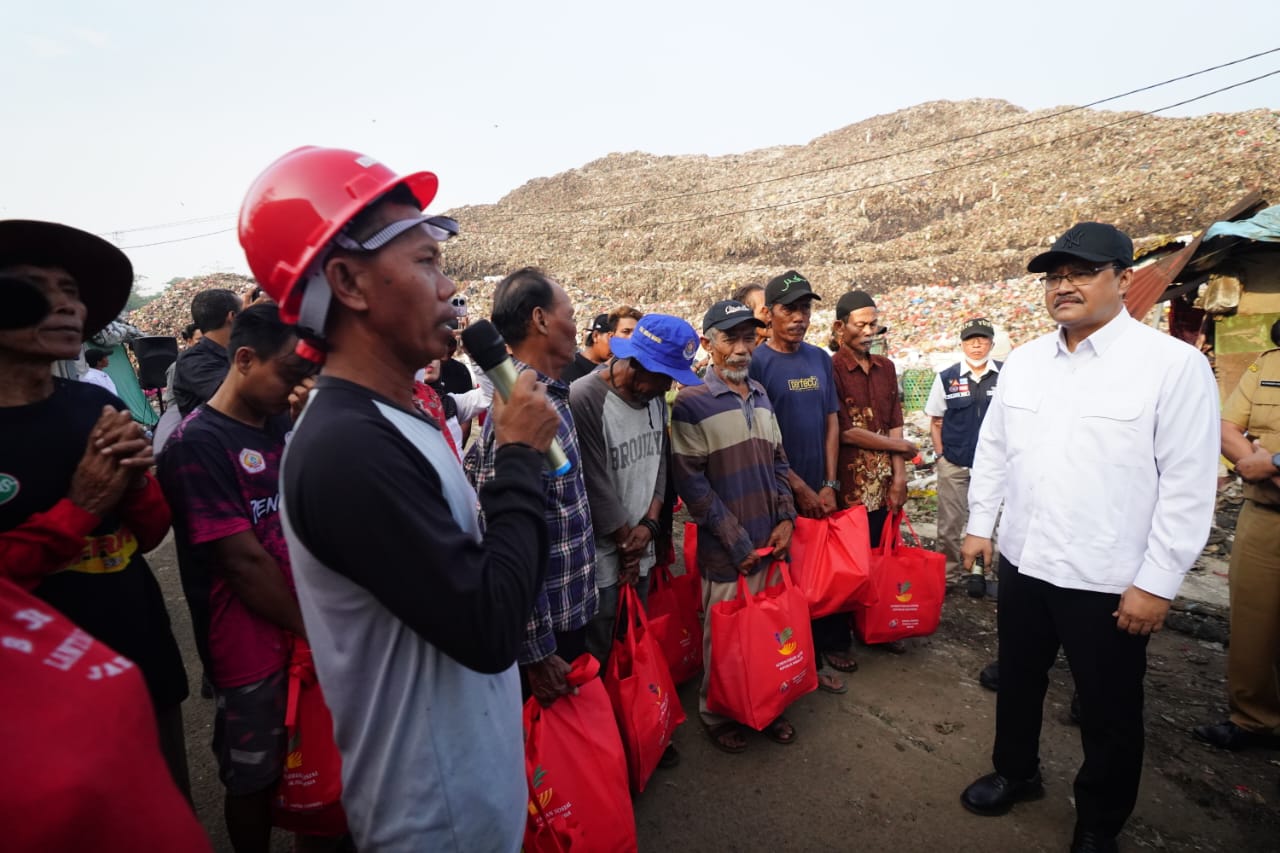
(850, 665)
(772, 732)
(719, 730)
(827, 687)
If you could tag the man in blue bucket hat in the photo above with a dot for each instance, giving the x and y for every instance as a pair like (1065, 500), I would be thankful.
(620, 411)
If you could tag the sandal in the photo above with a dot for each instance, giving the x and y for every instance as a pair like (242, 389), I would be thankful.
(841, 662)
(781, 731)
(831, 684)
(720, 737)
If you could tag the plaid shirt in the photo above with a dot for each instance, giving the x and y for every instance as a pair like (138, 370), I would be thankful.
(568, 599)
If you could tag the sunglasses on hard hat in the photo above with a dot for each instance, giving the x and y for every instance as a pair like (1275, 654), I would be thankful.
(440, 228)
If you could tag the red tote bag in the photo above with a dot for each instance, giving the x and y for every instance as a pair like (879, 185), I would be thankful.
(644, 696)
(831, 561)
(577, 769)
(911, 583)
(676, 621)
(309, 796)
(691, 556)
(762, 650)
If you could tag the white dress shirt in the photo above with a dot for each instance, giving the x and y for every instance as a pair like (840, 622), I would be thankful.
(1105, 460)
(94, 376)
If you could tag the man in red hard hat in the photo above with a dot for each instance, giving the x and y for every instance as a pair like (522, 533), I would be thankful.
(414, 621)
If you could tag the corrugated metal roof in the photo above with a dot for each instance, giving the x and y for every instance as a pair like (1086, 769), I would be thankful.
(1151, 280)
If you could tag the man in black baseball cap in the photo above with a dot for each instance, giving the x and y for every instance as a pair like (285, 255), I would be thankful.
(1090, 242)
(787, 288)
(595, 350)
(726, 314)
(1086, 275)
(1100, 456)
(798, 378)
(957, 405)
(730, 470)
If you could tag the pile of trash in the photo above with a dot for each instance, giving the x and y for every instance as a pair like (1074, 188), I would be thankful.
(170, 312)
(882, 204)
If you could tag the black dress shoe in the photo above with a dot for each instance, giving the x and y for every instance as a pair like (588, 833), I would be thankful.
(994, 795)
(990, 677)
(1227, 735)
(1093, 842)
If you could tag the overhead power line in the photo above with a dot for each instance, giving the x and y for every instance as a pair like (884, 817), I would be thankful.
(746, 185)
(917, 176)
(178, 239)
(889, 155)
(197, 221)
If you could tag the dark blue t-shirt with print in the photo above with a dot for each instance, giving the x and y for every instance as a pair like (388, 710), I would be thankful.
(803, 393)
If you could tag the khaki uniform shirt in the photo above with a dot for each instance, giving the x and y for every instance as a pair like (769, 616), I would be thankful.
(1255, 407)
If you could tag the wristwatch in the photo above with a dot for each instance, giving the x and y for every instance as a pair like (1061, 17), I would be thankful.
(835, 484)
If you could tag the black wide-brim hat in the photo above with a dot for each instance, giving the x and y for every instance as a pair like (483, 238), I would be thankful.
(103, 272)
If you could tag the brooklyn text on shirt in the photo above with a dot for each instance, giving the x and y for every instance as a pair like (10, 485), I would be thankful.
(807, 383)
(643, 446)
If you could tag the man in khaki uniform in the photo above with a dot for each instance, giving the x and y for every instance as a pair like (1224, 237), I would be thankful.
(1250, 441)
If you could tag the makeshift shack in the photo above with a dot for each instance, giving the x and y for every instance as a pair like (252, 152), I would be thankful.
(1223, 286)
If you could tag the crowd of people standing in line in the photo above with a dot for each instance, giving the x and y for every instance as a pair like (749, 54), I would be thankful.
(440, 578)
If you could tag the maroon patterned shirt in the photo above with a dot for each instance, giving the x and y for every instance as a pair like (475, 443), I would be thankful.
(869, 400)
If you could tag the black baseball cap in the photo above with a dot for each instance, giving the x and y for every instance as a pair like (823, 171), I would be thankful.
(787, 288)
(728, 313)
(977, 327)
(1095, 242)
(599, 324)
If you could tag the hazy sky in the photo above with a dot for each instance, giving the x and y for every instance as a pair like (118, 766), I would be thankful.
(127, 115)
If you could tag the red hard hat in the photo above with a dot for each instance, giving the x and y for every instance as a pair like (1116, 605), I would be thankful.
(297, 205)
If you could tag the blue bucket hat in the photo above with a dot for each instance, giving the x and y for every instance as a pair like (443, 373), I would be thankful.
(662, 344)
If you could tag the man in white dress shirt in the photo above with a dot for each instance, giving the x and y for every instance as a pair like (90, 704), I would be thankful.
(1101, 445)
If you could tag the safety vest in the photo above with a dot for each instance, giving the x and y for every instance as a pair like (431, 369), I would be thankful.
(967, 404)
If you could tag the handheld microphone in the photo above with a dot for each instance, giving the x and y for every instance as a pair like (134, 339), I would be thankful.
(487, 347)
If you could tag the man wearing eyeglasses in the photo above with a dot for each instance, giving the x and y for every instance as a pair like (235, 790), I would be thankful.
(1101, 444)
(958, 402)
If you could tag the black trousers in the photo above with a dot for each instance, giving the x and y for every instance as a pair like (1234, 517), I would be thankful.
(1035, 619)
(831, 633)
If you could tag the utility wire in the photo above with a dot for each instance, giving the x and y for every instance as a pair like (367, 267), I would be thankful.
(197, 221)
(886, 156)
(891, 182)
(820, 170)
(177, 239)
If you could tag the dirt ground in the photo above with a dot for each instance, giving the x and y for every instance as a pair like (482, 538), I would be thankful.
(882, 767)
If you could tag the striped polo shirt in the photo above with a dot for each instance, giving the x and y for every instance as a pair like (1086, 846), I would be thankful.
(730, 470)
